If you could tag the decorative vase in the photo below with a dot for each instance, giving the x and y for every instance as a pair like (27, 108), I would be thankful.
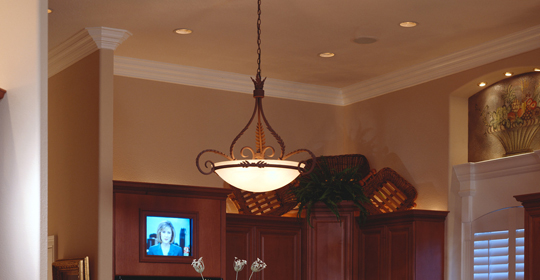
(517, 139)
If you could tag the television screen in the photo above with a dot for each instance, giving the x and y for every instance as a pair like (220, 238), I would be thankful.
(168, 236)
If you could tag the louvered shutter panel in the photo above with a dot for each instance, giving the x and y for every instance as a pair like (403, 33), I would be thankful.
(493, 257)
(520, 254)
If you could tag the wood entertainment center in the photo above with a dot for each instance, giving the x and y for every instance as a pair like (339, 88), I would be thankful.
(400, 245)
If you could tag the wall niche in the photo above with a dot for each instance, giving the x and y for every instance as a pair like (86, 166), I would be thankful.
(504, 119)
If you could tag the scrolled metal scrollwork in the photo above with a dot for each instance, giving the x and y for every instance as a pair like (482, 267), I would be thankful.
(248, 149)
(257, 155)
(231, 149)
(209, 162)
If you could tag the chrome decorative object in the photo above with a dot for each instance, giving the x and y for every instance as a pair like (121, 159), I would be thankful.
(257, 174)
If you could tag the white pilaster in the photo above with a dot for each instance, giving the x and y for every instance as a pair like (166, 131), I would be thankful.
(467, 190)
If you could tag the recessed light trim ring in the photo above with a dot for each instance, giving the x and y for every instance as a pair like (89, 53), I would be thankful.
(183, 31)
(408, 24)
(327, 54)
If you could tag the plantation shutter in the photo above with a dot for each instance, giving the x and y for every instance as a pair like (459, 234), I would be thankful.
(499, 255)
(520, 254)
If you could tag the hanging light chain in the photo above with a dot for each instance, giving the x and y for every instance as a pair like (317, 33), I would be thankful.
(258, 77)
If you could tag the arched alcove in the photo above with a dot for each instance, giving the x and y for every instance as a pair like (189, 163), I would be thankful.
(459, 110)
(504, 118)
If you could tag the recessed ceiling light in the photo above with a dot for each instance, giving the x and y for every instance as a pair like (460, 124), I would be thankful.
(482, 84)
(408, 24)
(537, 69)
(49, 11)
(327, 54)
(508, 74)
(183, 31)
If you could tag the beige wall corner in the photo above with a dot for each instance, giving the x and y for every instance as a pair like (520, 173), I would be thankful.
(73, 161)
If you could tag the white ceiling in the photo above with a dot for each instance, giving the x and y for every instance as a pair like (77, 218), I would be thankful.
(295, 31)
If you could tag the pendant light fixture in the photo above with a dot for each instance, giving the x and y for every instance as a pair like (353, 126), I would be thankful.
(258, 174)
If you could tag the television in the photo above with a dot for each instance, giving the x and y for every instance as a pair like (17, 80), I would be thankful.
(168, 236)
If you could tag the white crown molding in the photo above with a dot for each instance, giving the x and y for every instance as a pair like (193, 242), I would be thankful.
(504, 47)
(200, 77)
(72, 50)
(108, 38)
(502, 167)
(82, 44)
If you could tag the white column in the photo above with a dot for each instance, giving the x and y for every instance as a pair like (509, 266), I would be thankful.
(467, 190)
(107, 40)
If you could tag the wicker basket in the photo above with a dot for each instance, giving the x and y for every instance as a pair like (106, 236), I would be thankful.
(388, 192)
(272, 203)
(339, 163)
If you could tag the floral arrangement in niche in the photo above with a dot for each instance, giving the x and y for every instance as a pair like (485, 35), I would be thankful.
(518, 109)
(516, 120)
(239, 265)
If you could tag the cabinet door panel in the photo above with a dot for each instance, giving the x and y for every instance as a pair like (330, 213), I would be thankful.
(239, 244)
(372, 254)
(401, 257)
(330, 247)
(429, 250)
(280, 249)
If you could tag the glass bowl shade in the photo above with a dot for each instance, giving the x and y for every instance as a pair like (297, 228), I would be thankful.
(274, 175)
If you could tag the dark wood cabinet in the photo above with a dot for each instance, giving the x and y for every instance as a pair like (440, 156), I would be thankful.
(275, 240)
(407, 245)
(386, 252)
(402, 245)
(330, 250)
(531, 203)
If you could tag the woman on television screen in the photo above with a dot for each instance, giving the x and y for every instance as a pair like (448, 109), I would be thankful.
(165, 240)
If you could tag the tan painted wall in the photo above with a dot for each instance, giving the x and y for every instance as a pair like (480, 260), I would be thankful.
(408, 132)
(159, 128)
(73, 159)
